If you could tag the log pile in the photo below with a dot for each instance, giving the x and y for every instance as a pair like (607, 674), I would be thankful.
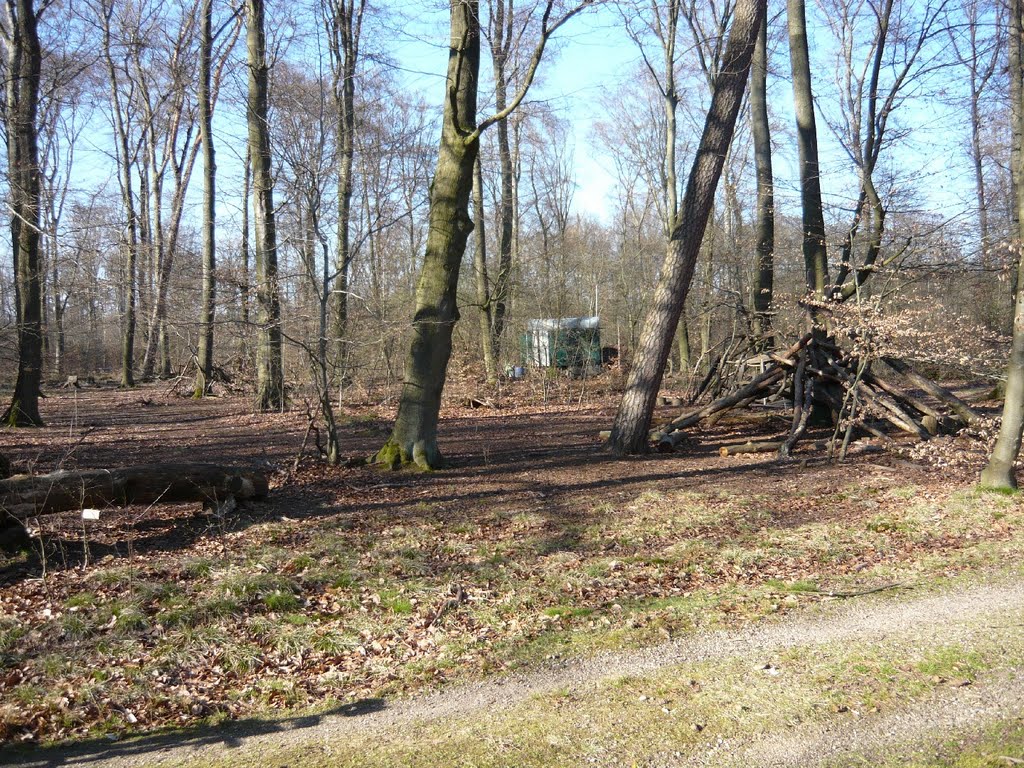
(818, 376)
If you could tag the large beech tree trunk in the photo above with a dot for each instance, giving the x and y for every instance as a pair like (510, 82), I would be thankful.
(24, 63)
(999, 472)
(24, 496)
(630, 430)
(414, 438)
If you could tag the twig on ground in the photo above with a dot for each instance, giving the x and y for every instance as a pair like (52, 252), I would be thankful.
(872, 590)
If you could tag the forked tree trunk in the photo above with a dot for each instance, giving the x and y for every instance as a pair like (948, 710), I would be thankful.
(765, 227)
(999, 472)
(630, 430)
(24, 64)
(269, 370)
(414, 438)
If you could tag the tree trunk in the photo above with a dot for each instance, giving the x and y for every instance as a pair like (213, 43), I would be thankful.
(24, 64)
(269, 369)
(483, 297)
(683, 336)
(243, 248)
(124, 168)
(815, 254)
(346, 20)
(999, 472)
(765, 227)
(414, 438)
(501, 50)
(25, 496)
(629, 432)
(204, 366)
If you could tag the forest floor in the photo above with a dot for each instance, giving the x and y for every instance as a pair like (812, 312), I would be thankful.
(534, 603)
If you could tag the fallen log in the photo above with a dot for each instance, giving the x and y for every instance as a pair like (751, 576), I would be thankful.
(24, 496)
(915, 402)
(960, 408)
(764, 381)
(770, 446)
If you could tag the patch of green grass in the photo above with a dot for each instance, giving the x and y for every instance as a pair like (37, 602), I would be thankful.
(563, 611)
(951, 661)
(11, 632)
(74, 627)
(280, 602)
(803, 585)
(333, 642)
(81, 600)
(241, 658)
(198, 568)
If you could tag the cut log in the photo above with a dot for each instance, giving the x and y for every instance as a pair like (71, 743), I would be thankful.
(769, 446)
(762, 382)
(24, 496)
(960, 408)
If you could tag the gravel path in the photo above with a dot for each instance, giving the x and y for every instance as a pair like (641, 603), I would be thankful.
(930, 619)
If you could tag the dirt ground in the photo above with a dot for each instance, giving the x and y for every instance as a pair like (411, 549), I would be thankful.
(532, 542)
(511, 456)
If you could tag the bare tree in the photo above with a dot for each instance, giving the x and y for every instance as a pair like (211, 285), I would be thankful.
(270, 395)
(20, 36)
(764, 284)
(999, 473)
(414, 438)
(126, 158)
(207, 98)
(632, 421)
(345, 24)
(814, 246)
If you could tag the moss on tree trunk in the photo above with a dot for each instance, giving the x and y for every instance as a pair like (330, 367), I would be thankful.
(414, 438)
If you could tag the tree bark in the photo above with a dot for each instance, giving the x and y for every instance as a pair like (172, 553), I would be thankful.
(630, 430)
(814, 249)
(765, 226)
(414, 437)
(24, 65)
(501, 50)
(24, 496)
(270, 394)
(999, 472)
(204, 367)
(346, 23)
(483, 288)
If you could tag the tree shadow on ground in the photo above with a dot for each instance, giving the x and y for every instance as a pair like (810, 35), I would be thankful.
(232, 735)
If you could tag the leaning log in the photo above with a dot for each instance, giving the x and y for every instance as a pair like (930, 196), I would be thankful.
(960, 408)
(762, 382)
(24, 496)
